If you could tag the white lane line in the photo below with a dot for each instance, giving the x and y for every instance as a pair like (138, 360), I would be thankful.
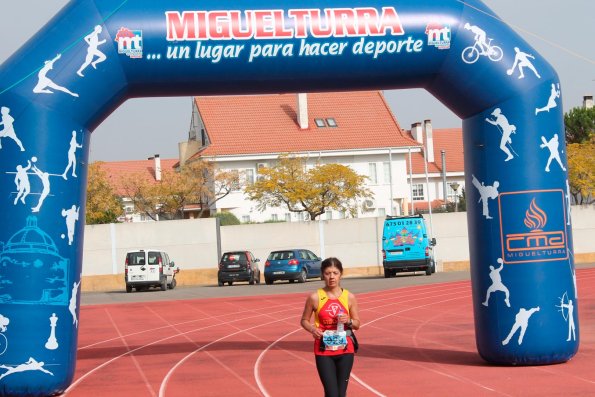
(357, 379)
(92, 371)
(188, 356)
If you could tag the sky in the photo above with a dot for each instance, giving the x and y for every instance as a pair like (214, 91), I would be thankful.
(562, 31)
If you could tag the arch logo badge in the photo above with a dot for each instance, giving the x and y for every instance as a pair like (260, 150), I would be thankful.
(533, 228)
(130, 42)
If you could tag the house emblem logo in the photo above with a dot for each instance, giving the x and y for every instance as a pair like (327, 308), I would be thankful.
(438, 35)
(130, 42)
(532, 226)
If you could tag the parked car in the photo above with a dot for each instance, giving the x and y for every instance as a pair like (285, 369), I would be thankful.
(146, 268)
(238, 266)
(293, 264)
(406, 247)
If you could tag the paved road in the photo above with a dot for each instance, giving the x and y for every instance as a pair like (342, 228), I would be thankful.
(354, 284)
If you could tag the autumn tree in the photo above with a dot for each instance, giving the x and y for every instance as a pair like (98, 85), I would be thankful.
(290, 184)
(196, 183)
(103, 205)
(580, 125)
(581, 171)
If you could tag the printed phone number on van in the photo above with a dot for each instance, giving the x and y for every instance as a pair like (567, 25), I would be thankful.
(402, 223)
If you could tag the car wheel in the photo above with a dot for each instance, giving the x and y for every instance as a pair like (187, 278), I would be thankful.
(220, 283)
(291, 281)
(173, 284)
(387, 273)
(128, 288)
(230, 283)
(164, 284)
(251, 282)
(268, 281)
(303, 276)
(429, 271)
(258, 278)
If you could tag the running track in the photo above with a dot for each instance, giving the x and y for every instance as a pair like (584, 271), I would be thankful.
(416, 341)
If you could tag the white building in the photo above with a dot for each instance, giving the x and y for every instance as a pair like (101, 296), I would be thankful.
(356, 129)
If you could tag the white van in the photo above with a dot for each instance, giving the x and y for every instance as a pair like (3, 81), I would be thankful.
(146, 268)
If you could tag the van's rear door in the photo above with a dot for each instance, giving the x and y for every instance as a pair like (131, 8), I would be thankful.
(154, 263)
(137, 262)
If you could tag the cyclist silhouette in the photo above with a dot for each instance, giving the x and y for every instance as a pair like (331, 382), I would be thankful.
(482, 46)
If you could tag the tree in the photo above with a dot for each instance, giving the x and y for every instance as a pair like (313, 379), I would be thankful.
(290, 184)
(103, 205)
(580, 125)
(195, 183)
(227, 218)
(581, 171)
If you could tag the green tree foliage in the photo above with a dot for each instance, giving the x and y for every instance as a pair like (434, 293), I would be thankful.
(197, 183)
(290, 184)
(580, 125)
(103, 205)
(227, 218)
(581, 171)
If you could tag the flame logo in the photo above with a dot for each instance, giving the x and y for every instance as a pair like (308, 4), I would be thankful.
(535, 217)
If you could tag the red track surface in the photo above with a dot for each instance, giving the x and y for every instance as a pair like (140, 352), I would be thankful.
(417, 341)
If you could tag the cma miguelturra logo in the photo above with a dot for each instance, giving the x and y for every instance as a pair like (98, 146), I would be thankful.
(130, 42)
(533, 226)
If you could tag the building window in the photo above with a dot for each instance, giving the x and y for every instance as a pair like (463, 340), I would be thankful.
(245, 218)
(329, 215)
(288, 217)
(331, 122)
(418, 191)
(386, 171)
(341, 214)
(274, 217)
(249, 176)
(235, 185)
(372, 173)
(320, 123)
(381, 212)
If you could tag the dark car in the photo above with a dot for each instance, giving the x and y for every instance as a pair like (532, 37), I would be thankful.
(292, 265)
(238, 266)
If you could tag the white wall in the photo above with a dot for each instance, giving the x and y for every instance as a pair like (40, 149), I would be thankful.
(193, 243)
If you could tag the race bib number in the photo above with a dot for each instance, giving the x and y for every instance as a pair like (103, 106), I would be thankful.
(334, 340)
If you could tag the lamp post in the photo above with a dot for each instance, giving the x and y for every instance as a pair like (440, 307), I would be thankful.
(455, 186)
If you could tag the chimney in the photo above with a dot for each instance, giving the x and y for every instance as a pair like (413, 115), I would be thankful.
(302, 111)
(157, 167)
(416, 132)
(588, 101)
(429, 141)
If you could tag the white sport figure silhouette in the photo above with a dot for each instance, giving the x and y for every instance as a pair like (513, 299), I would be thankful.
(497, 284)
(552, 145)
(45, 85)
(522, 60)
(93, 41)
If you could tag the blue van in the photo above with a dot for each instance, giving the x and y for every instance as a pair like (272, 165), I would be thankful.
(405, 246)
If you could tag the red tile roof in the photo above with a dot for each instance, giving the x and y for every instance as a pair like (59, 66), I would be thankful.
(448, 139)
(116, 170)
(255, 124)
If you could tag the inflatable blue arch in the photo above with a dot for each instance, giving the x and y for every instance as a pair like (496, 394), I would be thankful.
(96, 54)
